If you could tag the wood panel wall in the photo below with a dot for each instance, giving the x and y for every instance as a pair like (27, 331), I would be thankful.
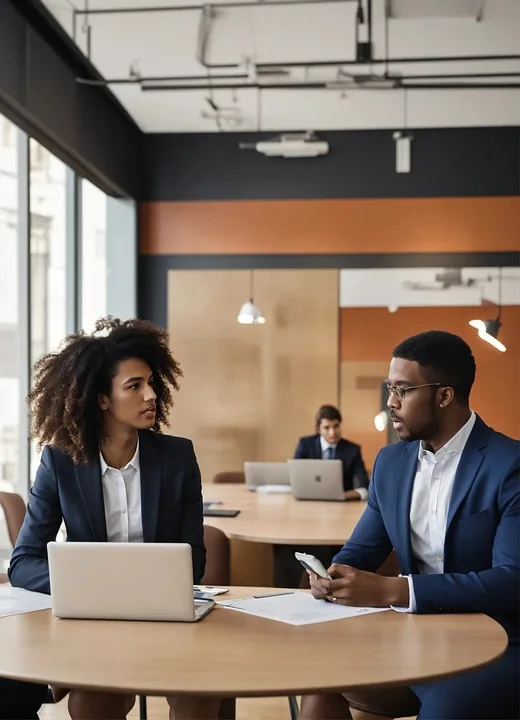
(360, 401)
(249, 392)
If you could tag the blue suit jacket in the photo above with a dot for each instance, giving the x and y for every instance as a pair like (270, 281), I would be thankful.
(171, 506)
(482, 543)
(354, 471)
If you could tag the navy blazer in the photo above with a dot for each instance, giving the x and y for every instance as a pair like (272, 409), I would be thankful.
(482, 543)
(354, 471)
(171, 506)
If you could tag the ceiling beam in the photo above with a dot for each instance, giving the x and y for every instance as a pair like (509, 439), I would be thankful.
(333, 85)
(189, 8)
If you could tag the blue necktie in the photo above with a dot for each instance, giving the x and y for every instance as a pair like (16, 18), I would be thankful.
(329, 453)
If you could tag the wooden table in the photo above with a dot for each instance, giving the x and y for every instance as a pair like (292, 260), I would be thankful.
(280, 519)
(267, 520)
(233, 654)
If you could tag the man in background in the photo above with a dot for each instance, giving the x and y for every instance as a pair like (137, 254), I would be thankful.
(327, 444)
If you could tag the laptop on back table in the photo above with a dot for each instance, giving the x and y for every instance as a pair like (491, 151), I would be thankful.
(316, 479)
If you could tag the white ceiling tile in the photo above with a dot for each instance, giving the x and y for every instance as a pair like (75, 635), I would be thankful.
(164, 43)
(184, 111)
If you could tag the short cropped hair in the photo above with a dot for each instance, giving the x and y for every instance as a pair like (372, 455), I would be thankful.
(444, 358)
(328, 412)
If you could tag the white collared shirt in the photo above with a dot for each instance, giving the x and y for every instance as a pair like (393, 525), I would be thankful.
(362, 492)
(430, 503)
(122, 500)
(325, 446)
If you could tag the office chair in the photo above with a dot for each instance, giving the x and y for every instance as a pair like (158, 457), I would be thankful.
(229, 476)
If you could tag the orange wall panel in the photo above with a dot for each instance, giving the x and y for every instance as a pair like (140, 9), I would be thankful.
(370, 334)
(472, 224)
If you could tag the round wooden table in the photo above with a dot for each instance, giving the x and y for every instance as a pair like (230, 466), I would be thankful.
(233, 654)
(280, 519)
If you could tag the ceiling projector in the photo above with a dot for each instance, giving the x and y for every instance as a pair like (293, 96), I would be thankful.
(291, 145)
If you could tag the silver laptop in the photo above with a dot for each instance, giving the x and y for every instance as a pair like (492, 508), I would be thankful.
(123, 581)
(265, 473)
(316, 479)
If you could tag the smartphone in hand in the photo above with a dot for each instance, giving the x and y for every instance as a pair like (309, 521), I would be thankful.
(312, 564)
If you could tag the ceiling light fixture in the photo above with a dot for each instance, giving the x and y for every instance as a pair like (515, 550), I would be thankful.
(488, 329)
(249, 313)
(290, 145)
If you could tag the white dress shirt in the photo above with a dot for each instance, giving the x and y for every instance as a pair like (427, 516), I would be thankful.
(362, 492)
(122, 500)
(431, 495)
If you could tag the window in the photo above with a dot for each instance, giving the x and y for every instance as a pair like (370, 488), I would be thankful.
(93, 255)
(48, 255)
(48, 203)
(9, 310)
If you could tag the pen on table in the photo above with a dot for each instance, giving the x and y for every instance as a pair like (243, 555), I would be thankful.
(275, 594)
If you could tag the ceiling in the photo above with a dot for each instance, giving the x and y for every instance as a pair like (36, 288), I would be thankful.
(294, 64)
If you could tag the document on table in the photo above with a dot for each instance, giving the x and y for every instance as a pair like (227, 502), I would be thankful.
(297, 608)
(273, 489)
(14, 601)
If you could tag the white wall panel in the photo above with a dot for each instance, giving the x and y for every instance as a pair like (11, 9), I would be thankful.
(392, 287)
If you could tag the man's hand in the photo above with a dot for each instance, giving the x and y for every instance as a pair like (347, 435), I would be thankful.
(352, 496)
(350, 586)
(317, 590)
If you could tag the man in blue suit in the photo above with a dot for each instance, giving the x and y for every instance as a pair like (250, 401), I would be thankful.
(327, 444)
(447, 498)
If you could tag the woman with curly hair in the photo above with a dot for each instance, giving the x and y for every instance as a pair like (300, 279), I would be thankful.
(97, 407)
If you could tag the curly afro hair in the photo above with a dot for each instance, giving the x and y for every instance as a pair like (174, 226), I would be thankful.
(64, 409)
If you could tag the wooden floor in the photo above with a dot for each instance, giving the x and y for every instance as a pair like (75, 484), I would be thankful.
(247, 709)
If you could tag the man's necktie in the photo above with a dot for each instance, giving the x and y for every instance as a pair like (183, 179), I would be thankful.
(329, 453)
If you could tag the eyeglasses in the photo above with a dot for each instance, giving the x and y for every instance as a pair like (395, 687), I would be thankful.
(401, 391)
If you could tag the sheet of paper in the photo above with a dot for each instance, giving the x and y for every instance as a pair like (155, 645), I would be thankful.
(297, 609)
(14, 601)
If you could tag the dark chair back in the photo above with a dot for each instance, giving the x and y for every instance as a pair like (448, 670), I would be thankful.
(230, 476)
(218, 563)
